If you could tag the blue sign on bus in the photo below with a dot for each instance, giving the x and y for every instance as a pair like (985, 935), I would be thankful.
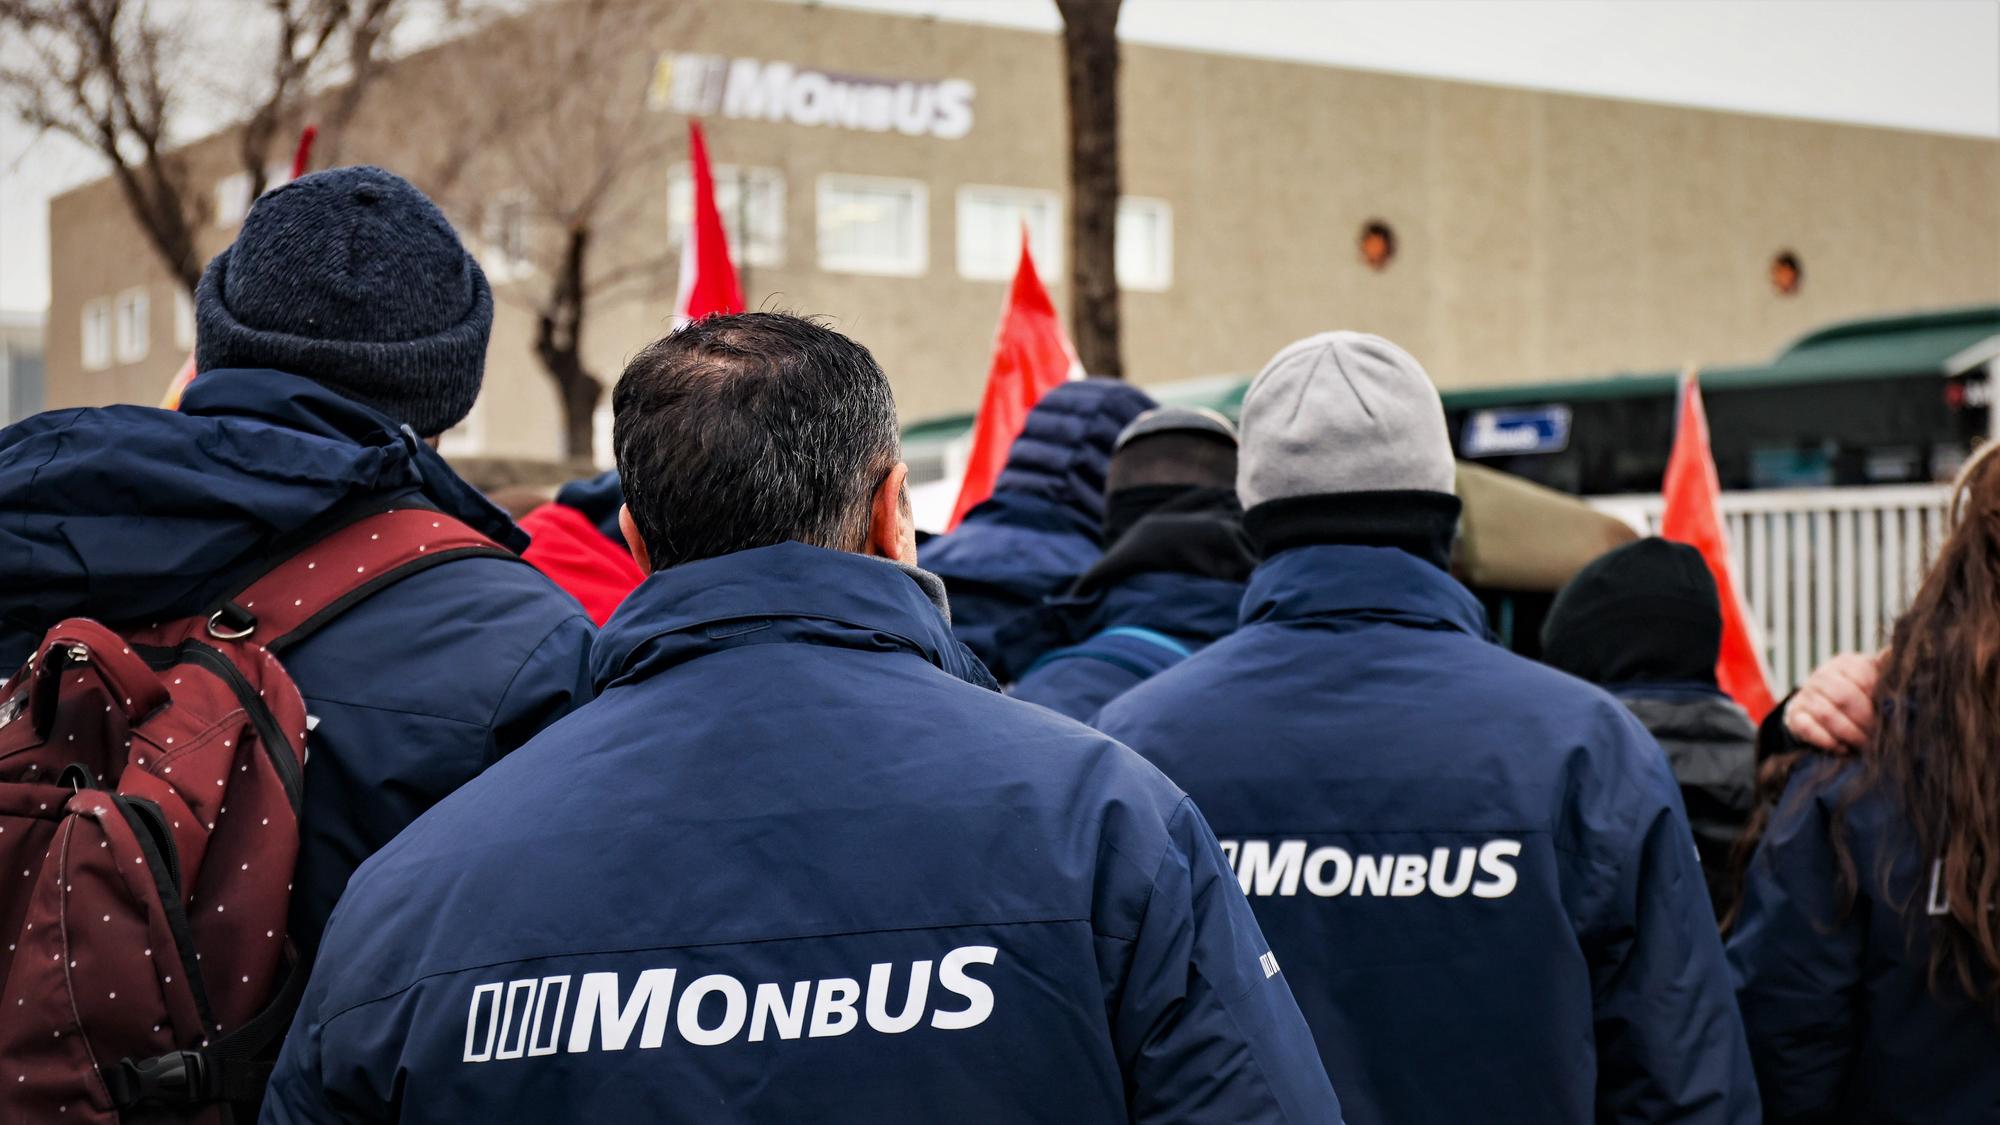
(1504, 430)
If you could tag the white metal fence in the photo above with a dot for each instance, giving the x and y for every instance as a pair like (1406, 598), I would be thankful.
(1825, 570)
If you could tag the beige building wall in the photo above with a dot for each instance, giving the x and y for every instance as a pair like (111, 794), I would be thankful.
(1541, 236)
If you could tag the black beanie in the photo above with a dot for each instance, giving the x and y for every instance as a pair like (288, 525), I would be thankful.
(1644, 613)
(351, 278)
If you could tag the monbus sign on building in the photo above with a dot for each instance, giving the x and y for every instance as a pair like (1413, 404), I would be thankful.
(879, 170)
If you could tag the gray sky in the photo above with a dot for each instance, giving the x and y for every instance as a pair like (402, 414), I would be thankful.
(1915, 64)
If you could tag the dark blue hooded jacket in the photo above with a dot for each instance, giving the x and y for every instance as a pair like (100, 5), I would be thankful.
(1170, 585)
(791, 866)
(1844, 1025)
(1043, 524)
(132, 515)
(1475, 869)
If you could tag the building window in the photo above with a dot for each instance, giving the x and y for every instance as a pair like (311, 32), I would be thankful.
(183, 320)
(97, 334)
(752, 203)
(989, 231)
(232, 193)
(868, 224)
(601, 430)
(131, 325)
(1145, 243)
(505, 235)
(232, 199)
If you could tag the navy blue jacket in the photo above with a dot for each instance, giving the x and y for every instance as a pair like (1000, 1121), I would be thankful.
(1144, 625)
(1844, 1026)
(1170, 585)
(1043, 524)
(791, 866)
(132, 515)
(1474, 868)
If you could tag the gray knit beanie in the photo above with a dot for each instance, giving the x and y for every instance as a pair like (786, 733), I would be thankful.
(1342, 412)
(351, 278)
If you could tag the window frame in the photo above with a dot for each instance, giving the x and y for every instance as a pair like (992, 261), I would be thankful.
(499, 262)
(744, 249)
(96, 358)
(184, 320)
(915, 264)
(1048, 259)
(132, 308)
(1164, 245)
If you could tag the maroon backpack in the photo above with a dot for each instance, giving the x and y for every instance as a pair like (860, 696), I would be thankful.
(150, 786)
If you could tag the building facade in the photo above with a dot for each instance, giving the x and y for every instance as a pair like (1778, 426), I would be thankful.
(878, 170)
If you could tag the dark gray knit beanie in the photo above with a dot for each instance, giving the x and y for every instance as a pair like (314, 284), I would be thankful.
(351, 278)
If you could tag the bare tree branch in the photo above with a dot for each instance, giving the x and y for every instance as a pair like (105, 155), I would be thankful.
(113, 75)
(551, 105)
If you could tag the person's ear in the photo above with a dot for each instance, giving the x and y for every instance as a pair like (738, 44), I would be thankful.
(892, 526)
(633, 541)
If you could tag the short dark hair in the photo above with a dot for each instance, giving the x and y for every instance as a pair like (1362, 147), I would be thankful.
(1184, 457)
(742, 431)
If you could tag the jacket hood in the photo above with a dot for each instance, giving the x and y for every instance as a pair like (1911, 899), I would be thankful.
(1378, 583)
(785, 594)
(133, 514)
(1179, 571)
(1063, 455)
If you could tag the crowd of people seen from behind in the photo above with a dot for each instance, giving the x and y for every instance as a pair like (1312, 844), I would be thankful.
(1182, 781)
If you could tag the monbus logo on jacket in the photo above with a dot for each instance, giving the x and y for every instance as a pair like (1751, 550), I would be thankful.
(526, 1018)
(793, 865)
(1283, 867)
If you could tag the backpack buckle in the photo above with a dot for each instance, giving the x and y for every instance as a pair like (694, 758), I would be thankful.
(231, 623)
(177, 1078)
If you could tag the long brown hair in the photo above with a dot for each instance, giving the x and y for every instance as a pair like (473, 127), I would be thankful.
(1936, 743)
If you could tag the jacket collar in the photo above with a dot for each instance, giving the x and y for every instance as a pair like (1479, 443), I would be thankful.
(294, 403)
(1376, 582)
(788, 593)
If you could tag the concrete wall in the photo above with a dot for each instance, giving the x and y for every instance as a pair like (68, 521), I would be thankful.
(1541, 235)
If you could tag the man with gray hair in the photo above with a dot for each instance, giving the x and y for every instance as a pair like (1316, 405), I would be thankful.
(798, 861)
(1475, 869)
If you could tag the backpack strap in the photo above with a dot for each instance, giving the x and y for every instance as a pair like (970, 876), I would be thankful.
(318, 583)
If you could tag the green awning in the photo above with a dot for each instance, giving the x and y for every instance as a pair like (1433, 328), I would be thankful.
(1872, 348)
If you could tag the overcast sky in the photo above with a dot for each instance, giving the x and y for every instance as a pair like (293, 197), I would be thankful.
(1915, 64)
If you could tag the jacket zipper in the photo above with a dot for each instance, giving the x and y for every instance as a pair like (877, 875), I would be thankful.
(149, 829)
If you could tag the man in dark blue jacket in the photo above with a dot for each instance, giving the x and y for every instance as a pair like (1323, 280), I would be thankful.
(791, 865)
(1170, 581)
(1475, 869)
(1043, 524)
(345, 325)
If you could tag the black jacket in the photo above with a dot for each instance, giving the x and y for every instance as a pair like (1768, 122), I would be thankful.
(1711, 746)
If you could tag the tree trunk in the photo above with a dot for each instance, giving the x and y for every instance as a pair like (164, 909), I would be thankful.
(1090, 53)
(559, 345)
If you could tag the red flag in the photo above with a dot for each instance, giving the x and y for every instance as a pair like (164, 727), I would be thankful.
(302, 156)
(708, 278)
(1031, 356)
(1694, 516)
